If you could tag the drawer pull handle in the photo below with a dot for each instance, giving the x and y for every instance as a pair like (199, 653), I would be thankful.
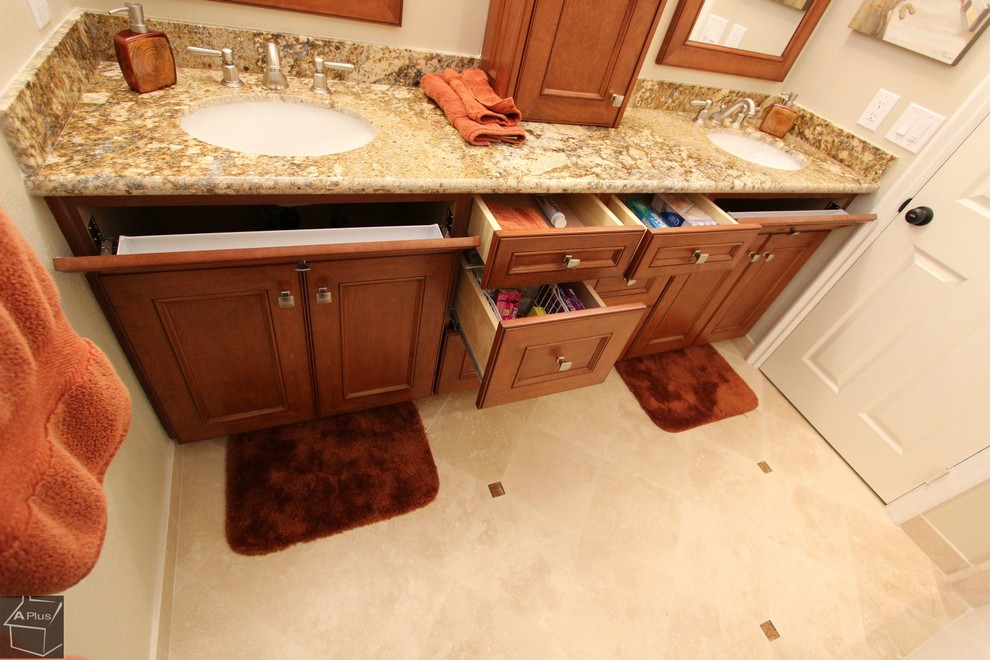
(570, 262)
(286, 299)
(768, 256)
(563, 364)
(754, 257)
(793, 231)
(302, 267)
(700, 257)
(630, 282)
(323, 296)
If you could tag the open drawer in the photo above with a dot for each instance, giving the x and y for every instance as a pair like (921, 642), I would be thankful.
(528, 357)
(686, 249)
(594, 244)
(788, 214)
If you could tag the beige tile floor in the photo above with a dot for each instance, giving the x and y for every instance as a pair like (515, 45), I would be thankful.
(614, 540)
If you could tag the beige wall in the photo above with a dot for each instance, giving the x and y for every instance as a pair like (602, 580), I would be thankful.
(963, 521)
(110, 613)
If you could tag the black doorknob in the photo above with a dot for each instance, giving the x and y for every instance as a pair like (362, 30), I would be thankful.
(919, 215)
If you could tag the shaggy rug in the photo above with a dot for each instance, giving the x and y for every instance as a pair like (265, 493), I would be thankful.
(305, 481)
(680, 390)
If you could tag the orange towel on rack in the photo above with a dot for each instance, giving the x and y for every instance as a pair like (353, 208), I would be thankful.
(510, 217)
(475, 110)
(475, 133)
(63, 414)
(476, 81)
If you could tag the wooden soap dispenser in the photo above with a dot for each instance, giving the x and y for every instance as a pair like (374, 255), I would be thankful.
(145, 56)
(779, 117)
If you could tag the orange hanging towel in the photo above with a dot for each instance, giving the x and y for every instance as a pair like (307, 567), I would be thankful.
(63, 414)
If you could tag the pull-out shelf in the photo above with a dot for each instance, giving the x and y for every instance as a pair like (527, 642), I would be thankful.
(527, 357)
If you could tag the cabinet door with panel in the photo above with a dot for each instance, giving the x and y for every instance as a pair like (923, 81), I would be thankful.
(770, 267)
(201, 336)
(568, 61)
(377, 325)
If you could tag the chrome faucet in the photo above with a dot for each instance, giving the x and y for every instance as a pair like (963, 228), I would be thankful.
(746, 107)
(273, 77)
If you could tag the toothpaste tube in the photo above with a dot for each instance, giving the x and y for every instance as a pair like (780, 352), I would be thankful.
(551, 211)
(643, 211)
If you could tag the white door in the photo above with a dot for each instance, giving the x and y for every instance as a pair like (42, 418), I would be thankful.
(893, 365)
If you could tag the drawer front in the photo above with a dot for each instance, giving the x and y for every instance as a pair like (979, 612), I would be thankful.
(524, 260)
(681, 251)
(594, 244)
(530, 357)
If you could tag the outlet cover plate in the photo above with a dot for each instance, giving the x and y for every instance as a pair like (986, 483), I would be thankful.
(878, 109)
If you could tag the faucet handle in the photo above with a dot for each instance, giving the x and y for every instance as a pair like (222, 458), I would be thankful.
(230, 77)
(705, 106)
(320, 77)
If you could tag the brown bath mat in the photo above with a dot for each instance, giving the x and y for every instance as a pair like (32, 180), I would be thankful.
(683, 389)
(305, 481)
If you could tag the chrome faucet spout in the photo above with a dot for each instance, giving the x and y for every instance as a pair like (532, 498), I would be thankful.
(273, 78)
(745, 107)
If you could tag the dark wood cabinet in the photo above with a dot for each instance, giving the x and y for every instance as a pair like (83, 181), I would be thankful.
(568, 61)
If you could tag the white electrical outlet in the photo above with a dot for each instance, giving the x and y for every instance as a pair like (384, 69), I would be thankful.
(736, 35)
(714, 27)
(41, 12)
(878, 109)
(913, 128)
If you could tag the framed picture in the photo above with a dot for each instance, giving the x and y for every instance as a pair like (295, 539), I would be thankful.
(941, 29)
(373, 11)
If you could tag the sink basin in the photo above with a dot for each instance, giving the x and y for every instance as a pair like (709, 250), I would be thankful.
(278, 127)
(756, 150)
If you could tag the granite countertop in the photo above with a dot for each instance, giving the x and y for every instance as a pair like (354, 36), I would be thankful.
(117, 142)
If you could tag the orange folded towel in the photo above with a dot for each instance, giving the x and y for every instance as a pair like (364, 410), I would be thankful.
(475, 133)
(474, 109)
(510, 217)
(476, 81)
(63, 414)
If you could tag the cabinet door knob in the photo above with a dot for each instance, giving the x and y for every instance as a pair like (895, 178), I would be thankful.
(570, 262)
(286, 299)
(323, 296)
(699, 257)
(563, 364)
(768, 256)
(616, 100)
(754, 257)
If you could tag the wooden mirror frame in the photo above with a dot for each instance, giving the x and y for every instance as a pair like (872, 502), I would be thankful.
(678, 50)
(388, 12)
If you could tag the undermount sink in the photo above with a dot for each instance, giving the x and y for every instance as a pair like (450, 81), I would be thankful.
(756, 150)
(278, 127)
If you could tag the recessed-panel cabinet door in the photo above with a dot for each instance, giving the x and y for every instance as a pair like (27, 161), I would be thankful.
(777, 261)
(222, 350)
(582, 57)
(684, 307)
(377, 326)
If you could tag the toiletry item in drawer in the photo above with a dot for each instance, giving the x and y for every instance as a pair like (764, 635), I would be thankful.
(551, 210)
(684, 206)
(647, 215)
